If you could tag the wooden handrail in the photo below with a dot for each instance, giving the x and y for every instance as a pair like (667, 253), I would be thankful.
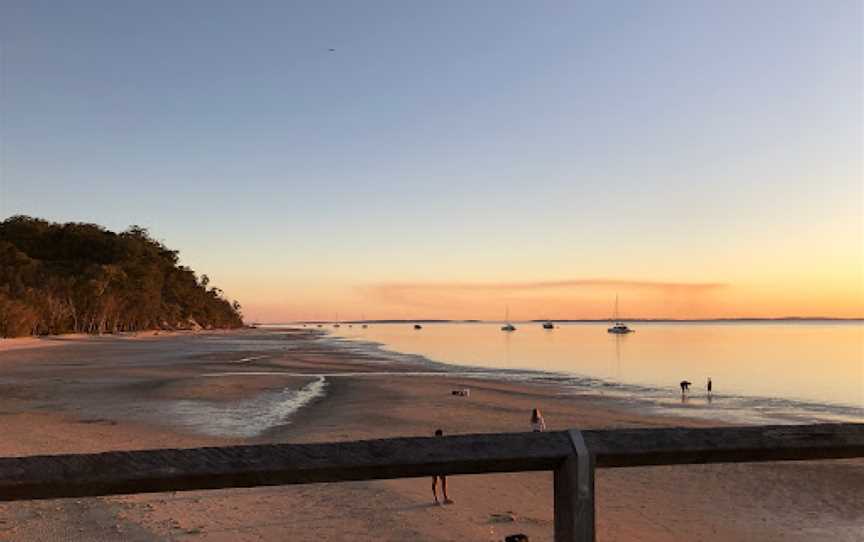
(145, 471)
(683, 446)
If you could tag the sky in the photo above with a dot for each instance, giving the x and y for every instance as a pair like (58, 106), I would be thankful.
(449, 159)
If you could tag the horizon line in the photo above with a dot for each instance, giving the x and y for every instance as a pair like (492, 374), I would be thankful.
(564, 320)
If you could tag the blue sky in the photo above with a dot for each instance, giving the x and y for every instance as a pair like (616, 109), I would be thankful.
(447, 141)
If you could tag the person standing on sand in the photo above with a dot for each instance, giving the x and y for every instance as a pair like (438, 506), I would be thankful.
(709, 386)
(440, 433)
(537, 423)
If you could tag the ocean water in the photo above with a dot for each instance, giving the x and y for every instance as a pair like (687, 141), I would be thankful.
(762, 372)
(239, 419)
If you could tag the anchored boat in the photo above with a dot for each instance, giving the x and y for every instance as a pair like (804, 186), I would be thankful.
(619, 328)
(508, 326)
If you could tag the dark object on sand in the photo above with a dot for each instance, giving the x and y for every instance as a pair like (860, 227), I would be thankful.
(418, 326)
(464, 392)
(517, 538)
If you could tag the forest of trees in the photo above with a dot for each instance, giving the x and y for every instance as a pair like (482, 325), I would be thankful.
(68, 278)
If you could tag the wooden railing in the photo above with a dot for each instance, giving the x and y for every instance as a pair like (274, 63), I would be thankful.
(572, 455)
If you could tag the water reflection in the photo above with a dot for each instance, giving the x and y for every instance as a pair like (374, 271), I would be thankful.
(808, 361)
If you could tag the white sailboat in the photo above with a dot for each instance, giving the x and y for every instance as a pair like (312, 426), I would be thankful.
(508, 326)
(619, 328)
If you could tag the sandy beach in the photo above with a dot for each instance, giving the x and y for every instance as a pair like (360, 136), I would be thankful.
(105, 393)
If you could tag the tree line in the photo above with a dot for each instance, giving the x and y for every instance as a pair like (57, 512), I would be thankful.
(82, 278)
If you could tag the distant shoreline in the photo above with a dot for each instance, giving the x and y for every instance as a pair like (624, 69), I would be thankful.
(41, 341)
(576, 320)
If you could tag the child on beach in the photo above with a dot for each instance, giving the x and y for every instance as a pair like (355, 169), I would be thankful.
(439, 433)
(537, 422)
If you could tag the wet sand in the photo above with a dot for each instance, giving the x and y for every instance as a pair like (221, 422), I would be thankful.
(106, 393)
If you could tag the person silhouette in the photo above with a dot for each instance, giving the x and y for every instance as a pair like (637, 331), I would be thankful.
(447, 500)
(710, 386)
(538, 424)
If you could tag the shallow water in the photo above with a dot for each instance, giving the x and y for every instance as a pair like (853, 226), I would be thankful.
(239, 419)
(761, 371)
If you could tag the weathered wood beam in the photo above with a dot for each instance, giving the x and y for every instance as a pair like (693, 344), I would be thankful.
(111, 473)
(565, 484)
(681, 446)
(147, 471)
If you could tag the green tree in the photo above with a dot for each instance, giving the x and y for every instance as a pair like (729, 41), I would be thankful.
(74, 277)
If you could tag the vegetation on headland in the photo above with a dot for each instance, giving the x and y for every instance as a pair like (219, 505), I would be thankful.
(81, 278)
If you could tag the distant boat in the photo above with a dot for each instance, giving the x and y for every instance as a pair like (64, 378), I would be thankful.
(548, 325)
(619, 328)
(418, 326)
(508, 326)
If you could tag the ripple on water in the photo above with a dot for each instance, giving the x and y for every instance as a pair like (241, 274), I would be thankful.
(245, 418)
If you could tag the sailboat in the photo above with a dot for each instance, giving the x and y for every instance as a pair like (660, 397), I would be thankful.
(619, 328)
(508, 326)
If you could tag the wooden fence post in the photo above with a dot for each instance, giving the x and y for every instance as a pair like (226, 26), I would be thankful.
(574, 494)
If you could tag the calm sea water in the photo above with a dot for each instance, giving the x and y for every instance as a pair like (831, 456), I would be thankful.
(800, 371)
